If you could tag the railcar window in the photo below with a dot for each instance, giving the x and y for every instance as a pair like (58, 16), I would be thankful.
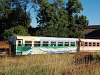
(66, 44)
(86, 43)
(98, 44)
(72, 44)
(53, 43)
(90, 43)
(36, 43)
(28, 43)
(82, 43)
(45, 43)
(19, 43)
(94, 44)
(60, 43)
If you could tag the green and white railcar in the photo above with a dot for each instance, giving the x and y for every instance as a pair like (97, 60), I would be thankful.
(24, 45)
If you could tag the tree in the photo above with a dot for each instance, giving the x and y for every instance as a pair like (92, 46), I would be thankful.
(13, 13)
(4, 11)
(18, 17)
(52, 19)
(57, 20)
(4, 8)
(18, 30)
(76, 22)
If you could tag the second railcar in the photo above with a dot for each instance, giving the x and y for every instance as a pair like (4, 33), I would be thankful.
(89, 45)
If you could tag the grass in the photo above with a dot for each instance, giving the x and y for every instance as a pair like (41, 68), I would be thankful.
(46, 64)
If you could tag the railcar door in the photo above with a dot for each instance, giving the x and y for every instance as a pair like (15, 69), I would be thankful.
(19, 42)
(19, 46)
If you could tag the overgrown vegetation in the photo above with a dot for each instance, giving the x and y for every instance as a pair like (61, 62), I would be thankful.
(48, 64)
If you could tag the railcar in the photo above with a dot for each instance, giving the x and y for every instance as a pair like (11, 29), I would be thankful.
(89, 45)
(24, 45)
(5, 49)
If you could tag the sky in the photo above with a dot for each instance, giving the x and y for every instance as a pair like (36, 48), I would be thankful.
(91, 9)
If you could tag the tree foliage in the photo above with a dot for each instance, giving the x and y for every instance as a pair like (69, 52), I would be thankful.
(52, 19)
(18, 30)
(56, 19)
(4, 8)
(13, 13)
(75, 21)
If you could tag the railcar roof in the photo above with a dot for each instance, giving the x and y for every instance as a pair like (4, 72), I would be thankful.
(90, 40)
(48, 38)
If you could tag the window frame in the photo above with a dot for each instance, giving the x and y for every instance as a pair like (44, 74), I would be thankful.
(94, 43)
(90, 44)
(53, 43)
(28, 43)
(85, 43)
(45, 43)
(98, 43)
(71, 44)
(66, 44)
(37, 43)
(19, 44)
(82, 43)
(60, 43)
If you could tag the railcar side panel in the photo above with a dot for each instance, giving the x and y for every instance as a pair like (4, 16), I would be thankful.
(41, 45)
